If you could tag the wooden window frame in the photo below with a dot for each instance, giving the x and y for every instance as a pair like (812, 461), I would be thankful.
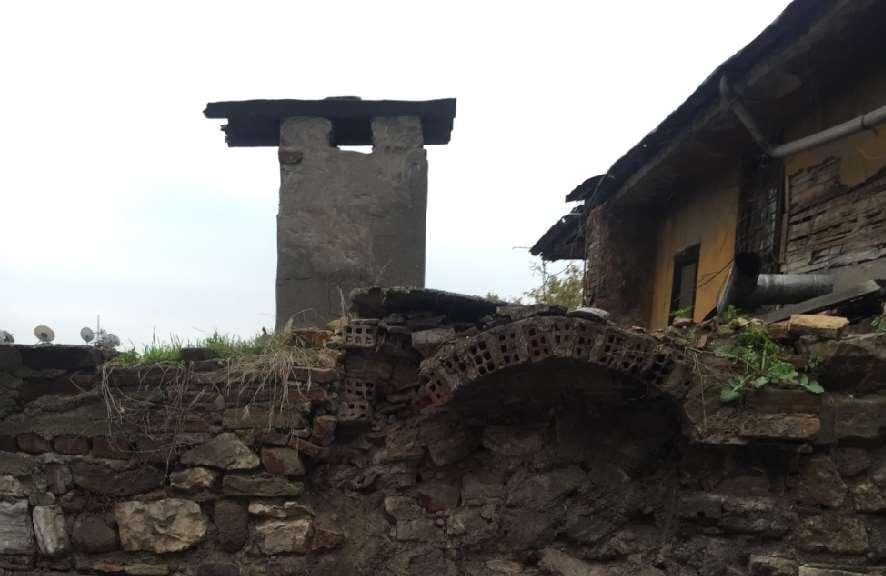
(689, 255)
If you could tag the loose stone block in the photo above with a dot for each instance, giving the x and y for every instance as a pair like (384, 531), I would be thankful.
(94, 533)
(402, 508)
(771, 566)
(283, 536)
(16, 528)
(282, 461)
(779, 426)
(111, 448)
(232, 523)
(261, 418)
(417, 530)
(701, 507)
(16, 464)
(72, 445)
(103, 479)
(857, 362)
(193, 479)
(59, 479)
(556, 562)
(10, 486)
(840, 571)
(49, 527)
(33, 443)
(479, 489)
(817, 325)
(426, 342)
(862, 418)
(263, 485)
(323, 431)
(820, 483)
(168, 525)
(471, 525)
(503, 566)
(836, 534)
(326, 538)
(146, 569)
(868, 497)
(224, 451)
(218, 569)
(284, 510)
(852, 461)
(438, 496)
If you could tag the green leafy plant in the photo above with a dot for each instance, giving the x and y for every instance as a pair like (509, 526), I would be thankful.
(731, 313)
(684, 312)
(563, 288)
(761, 362)
(878, 323)
(493, 297)
(814, 362)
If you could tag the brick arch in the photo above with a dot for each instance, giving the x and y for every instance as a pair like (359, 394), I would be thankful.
(468, 362)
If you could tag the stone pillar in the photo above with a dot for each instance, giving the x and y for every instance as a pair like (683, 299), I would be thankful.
(347, 219)
(620, 248)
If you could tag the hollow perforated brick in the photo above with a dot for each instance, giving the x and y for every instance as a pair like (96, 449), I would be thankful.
(535, 339)
(361, 334)
(354, 411)
(538, 342)
(510, 345)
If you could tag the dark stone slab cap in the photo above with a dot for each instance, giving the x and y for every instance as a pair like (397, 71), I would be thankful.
(257, 122)
(377, 302)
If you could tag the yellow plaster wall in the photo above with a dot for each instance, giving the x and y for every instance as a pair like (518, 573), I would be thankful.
(861, 155)
(708, 216)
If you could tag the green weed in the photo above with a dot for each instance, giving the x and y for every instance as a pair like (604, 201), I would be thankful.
(221, 346)
(761, 361)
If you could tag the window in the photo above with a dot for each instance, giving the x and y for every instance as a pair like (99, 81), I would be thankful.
(760, 212)
(685, 280)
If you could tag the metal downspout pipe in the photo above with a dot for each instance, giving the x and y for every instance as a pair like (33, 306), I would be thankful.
(857, 124)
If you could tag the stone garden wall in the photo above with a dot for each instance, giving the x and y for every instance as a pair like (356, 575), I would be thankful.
(385, 450)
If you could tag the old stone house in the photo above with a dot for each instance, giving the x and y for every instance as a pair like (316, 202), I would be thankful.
(776, 154)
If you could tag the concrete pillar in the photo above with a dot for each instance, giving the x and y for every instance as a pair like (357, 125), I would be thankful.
(347, 219)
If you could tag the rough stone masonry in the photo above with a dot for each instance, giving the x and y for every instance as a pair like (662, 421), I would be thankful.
(438, 434)
(346, 219)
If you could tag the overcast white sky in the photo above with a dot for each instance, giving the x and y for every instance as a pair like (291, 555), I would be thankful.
(118, 198)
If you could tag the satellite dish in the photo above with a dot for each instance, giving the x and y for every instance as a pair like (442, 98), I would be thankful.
(6, 337)
(44, 334)
(111, 340)
(87, 334)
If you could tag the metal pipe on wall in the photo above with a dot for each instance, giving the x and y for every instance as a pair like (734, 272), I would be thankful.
(854, 126)
(747, 288)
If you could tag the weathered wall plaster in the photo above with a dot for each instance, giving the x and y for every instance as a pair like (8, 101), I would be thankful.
(347, 219)
(708, 217)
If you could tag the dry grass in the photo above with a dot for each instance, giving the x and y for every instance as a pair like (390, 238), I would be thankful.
(155, 400)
